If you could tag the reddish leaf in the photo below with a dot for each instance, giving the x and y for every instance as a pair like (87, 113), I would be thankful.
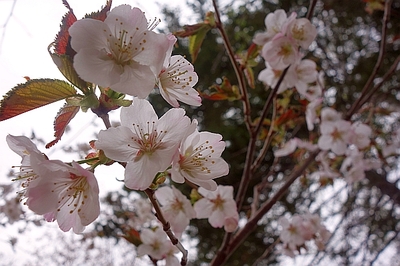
(64, 116)
(62, 41)
(225, 91)
(102, 14)
(33, 94)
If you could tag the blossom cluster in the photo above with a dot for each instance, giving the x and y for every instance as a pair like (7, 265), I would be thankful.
(122, 53)
(218, 206)
(125, 54)
(281, 48)
(300, 229)
(64, 192)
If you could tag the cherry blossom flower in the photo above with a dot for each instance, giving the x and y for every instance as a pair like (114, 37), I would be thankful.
(292, 231)
(299, 230)
(155, 243)
(219, 207)
(145, 142)
(176, 208)
(280, 52)
(329, 115)
(271, 76)
(177, 78)
(353, 167)
(68, 194)
(24, 147)
(274, 23)
(335, 136)
(305, 73)
(120, 53)
(302, 31)
(360, 135)
(199, 159)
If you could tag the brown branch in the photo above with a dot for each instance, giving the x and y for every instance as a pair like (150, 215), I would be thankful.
(167, 226)
(360, 101)
(236, 67)
(267, 141)
(250, 226)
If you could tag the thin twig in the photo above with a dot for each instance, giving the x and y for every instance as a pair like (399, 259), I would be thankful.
(267, 251)
(4, 27)
(235, 65)
(359, 102)
(267, 141)
(167, 226)
(387, 75)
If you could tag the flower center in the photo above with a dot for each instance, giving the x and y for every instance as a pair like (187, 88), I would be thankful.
(218, 203)
(197, 160)
(123, 46)
(72, 192)
(148, 139)
(173, 74)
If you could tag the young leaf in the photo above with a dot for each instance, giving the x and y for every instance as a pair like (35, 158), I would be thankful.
(197, 33)
(63, 117)
(64, 64)
(62, 41)
(102, 14)
(33, 94)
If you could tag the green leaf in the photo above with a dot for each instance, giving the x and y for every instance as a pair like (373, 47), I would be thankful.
(63, 117)
(196, 40)
(33, 94)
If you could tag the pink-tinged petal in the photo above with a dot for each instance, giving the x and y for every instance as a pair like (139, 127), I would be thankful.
(171, 43)
(117, 144)
(50, 216)
(139, 113)
(207, 184)
(324, 142)
(21, 145)
(226, 192)
(288, 148)
(169, 97)
(67, 220)
(230, 224)
(154, 53)
(217, 219)
(164, 195)
(135, 79)
(131, 18)
(140, 174)
(203, 208)
(176, 174)
(95, 66)
(40, 198)
(88, 32)
(174, 123)
(143, 250)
